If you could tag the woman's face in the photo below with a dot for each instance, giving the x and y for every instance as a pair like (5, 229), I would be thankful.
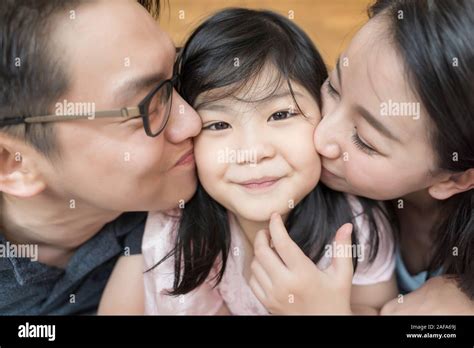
(374, 135)
(258, 158)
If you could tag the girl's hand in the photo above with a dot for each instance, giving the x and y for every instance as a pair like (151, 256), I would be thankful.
(439, 295)
(286, 281)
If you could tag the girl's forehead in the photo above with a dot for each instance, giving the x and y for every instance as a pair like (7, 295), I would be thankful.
(257, 87)
(259, 92)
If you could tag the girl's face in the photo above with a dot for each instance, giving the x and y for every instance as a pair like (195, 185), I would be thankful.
(374, 135)
(256, 158)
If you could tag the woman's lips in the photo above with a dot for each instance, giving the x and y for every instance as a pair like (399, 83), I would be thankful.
(328, 174)
(259, 184)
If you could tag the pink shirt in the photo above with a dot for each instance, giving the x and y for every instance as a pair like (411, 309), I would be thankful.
(158, 240)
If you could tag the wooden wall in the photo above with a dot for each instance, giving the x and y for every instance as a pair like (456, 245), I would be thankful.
(329, 23)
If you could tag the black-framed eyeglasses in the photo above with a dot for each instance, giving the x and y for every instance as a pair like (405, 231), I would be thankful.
(154, 110)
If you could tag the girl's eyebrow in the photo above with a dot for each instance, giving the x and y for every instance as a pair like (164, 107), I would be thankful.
(281, 95)
(221, 108)
(215, 106)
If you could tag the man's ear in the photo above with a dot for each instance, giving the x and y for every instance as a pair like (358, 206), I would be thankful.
(19, 174)
(455, 183)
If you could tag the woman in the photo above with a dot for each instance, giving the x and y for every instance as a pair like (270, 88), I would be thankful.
(398, 125)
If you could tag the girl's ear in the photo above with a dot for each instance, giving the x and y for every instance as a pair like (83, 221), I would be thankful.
(19, 176)
(455, 183)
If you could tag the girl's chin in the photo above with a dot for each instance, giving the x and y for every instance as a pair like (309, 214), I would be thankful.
(260, 216)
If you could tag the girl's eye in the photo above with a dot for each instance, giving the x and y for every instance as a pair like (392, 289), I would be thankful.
(331, 90)
(282, 115)
(361, 145)
(216, 126)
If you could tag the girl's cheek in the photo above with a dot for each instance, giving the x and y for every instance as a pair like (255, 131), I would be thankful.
(208, 162)
(201, 154)
(302, 153)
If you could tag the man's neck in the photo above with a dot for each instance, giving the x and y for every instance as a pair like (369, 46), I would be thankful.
(55, 224)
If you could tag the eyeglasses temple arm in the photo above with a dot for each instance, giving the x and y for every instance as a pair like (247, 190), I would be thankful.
(123, 112)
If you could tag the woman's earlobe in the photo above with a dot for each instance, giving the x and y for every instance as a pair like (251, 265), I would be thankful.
(456, 183)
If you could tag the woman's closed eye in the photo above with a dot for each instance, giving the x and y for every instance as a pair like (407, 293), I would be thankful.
(331, 90)
(360, 144)
(217, 126)
(282, 115)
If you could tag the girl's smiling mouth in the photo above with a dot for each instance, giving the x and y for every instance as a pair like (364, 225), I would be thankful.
(262, 184)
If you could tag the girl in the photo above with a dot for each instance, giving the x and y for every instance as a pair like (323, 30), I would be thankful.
(419, 54)
(255, 78)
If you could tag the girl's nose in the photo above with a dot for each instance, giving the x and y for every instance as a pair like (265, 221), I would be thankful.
(256, 147)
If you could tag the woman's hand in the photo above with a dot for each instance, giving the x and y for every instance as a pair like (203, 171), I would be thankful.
(439, 295)
(286, 281)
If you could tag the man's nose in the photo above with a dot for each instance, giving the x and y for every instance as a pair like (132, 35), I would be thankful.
(184, 122)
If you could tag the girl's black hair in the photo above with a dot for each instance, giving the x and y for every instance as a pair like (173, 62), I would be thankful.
(435, 39)
(254, 40)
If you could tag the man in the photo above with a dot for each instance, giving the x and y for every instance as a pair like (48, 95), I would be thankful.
(67, 179)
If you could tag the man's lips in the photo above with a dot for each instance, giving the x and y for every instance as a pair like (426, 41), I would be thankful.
(187, 158)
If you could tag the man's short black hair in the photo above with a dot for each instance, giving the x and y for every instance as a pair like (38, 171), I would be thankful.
(31, 77)
(152, 6)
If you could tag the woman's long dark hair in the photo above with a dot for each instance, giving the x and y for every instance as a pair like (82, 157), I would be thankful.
(253, 39)
(435, 39)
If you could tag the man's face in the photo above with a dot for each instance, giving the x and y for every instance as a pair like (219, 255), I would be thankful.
(108, 48)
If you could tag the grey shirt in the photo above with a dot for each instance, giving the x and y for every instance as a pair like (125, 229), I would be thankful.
(32, 288)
